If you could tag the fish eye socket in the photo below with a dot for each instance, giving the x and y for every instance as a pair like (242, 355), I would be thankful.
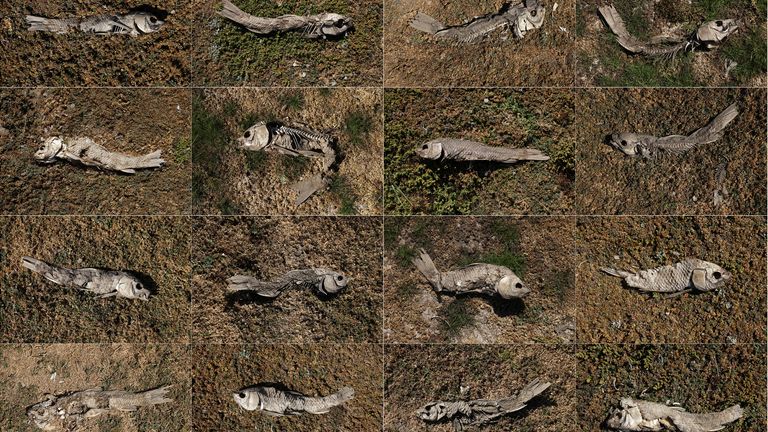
(339, 23)
(339, 278)
(717, 275)
(533, 13)
(719, 23)
(623, 142)
(518, 285)
(247, 134)
(153, 20)
(241, 395)
(424, 147)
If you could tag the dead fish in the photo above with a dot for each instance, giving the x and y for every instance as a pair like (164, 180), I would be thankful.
(132, 23)
(462, 150)
(318, 26)
(649, 146)
(85, 151)
(479, 278)
(481, 411)
(682, 277)
(67, 412)
(272, 401)
(639, 415)
(105, 283)
(322, 280)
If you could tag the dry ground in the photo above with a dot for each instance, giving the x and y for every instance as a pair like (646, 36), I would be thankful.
(608, 182)
(416, 59)
(231, 180)
(268, 247)
(611, 313)
(36, 310)
(538, 250)
(133, 121)
(78, 59)
(310, 369)
(29, 372)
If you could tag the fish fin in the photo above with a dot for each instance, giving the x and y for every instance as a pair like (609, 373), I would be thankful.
(427, 24)
(112, 294)
(427, 268)
(533, 389)
(307, 188)
(248, 283)
(127, 171)
(678, 294)
(615, 272)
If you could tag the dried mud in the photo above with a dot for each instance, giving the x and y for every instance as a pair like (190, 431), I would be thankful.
(268, 247)
(416, 59)
(36, 310)
(132, 121)
(311, 370)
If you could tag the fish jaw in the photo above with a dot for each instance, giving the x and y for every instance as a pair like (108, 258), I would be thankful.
(248, 399)
(713, 33)
(708, 276)
(49, 150)
(627, 143)
(511, 286)
(256, 137)
(335, 25)
(531, 19)
(430, 150)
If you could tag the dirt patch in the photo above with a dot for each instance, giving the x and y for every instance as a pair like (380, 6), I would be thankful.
(600, 61)
(225, 53)
(538, 250)
(80, 59)
(269, 247)
(231, 180)
(35, 310)
(534, 118)
(416, 375)
(29, 372)
(416, 59)
(132, 121)
(309, 369)
(733, 167)
(611, 313)
(701, 378)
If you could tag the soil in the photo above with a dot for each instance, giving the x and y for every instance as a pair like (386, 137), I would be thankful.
(29, 58)
(539, 250)
(225, 53)
(311, 369)
(600, 61)
(132, 121)
(608, 182)
(29, 372)
(416, 375)
(531, 118)
(415, 59)
(269, 247)
(231, 180)
(36, 310)
(612, 313)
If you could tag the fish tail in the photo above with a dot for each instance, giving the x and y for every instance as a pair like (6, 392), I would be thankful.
(126, 401)
(533, 389)
(714, 129)
(59, 26)
(152, 160)
(232, 12)
(615, 272)
(714, 421)
(343, 395)
(527, 154)
(426, 23)
(425, 265)
(616, 24)
(248, 283)
(156, 396)
(308, 187)
(52, 273)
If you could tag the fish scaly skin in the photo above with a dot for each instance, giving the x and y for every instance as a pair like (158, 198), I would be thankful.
(324, 281)
(276, 402)
(85, 151)
(691, 273)
(637, 415)
(104, 283)
(463, 150)
(133, 23)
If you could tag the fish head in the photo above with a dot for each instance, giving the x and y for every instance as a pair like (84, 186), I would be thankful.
(147, 22)
(511, 286)
(255, 137)
(708, 276)
(430, 150)
(49, 149)
(530, 19)
(628, 143)
(43, 414)
(131, 288)
(432, 411)
(626, 418)
(335, 25)
(248, 399)
(713, 33)
(332, 282)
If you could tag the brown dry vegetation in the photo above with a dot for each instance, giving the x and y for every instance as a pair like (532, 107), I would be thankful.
(79, 59)
(416, 59)
(608, 182)
(29, 372)
(268, 247)
(36, 310)
(612, 313)
(311, 369)
(132, 121)
(538, 250)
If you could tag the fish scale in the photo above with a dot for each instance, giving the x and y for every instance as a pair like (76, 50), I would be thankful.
(279, 402)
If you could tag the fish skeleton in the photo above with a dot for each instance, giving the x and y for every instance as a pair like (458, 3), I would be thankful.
(522, 18)
(481, 411)
(682, 277)
(649, 146)
(276, 402)
(708, 35)
(292, 141)
(462, 150)
(639, 415)
(324, 281)
(104, 283)
(477, 278)
(132, 23)
(67, 412)
(88, 153)
(318, 26)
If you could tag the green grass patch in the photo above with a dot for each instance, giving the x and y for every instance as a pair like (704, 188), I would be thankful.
(392, 228)
(182, 152)
(404, 254)
(292, 101)
(526, 117)
(749, 51)
(357, 125)
(456, 316)
(646, 73)
(293, 166)
(341, 187)
(255, 160)
(711, 8)
(209, 141)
